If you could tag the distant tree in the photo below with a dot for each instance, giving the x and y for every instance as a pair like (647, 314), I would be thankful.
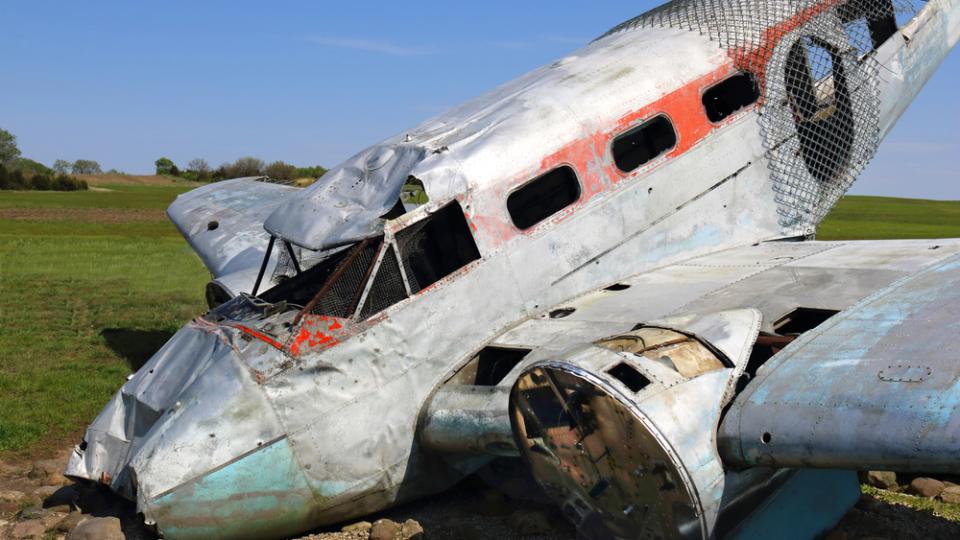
(4, 181)
(86, 166)
(279, 170)
(310, 172)
(220, 173)
(8, 148)
(198, 165)
(31, 167)
(61, 166)
(245, 166)
(166, 167)
(199, 168)
(41, 182)
(16, 180)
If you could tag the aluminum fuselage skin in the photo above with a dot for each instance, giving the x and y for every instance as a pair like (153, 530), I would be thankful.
(225, 434)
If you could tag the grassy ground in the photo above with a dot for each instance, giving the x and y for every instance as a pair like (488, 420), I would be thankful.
(91, 283)
(82, 299)
(876, 218)
(941, 509)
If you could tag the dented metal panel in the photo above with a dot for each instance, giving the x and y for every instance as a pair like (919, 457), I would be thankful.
(350, 202)
(345, 414)
(875, 388)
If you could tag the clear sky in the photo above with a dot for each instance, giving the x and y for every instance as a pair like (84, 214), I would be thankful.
(313, 82)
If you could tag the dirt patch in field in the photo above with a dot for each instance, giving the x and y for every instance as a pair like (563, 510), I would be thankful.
(133, 180)
(93, 215)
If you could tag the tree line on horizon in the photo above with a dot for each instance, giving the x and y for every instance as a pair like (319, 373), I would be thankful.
(23, 173)
(20, 173)
(199, 170)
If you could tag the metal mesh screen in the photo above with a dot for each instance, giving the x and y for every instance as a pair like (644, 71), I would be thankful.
(410, 243)
(341, 297)
(387, 288)
(819, 106)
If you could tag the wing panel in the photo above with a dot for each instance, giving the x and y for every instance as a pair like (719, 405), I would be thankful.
(877, 386)
(223, 222)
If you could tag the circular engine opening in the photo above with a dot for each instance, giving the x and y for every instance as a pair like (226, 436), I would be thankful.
(595, 456)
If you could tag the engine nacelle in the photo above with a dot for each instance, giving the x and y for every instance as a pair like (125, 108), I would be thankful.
(622, 434)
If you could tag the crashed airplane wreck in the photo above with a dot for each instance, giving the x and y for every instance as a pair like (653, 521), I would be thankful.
(613, 282)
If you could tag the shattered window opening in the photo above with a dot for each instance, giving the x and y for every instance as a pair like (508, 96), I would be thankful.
(436, 247)
(644, 143)
(543, 197)
(333, 285)
(729, 96)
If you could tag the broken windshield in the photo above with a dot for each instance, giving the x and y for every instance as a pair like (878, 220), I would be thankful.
(333, 286)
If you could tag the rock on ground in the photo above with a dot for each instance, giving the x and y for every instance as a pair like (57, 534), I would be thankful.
(28, 529)
(881, 479)
(925, 487)
(70, 522)
(950, 494)
(97, 529)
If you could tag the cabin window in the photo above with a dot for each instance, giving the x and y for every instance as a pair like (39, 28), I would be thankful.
(435, 247)
(387, 288)
(724, 99)
(644, 143)
(543, 196)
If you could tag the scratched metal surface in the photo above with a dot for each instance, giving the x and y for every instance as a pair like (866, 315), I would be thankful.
(877, 387)
(345, 395)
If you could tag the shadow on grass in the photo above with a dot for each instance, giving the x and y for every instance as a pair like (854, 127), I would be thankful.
(135, 346)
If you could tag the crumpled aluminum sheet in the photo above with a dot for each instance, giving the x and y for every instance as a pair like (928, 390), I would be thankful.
(348, 204)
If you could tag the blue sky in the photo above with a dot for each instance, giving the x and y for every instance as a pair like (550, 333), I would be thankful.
(312, 82)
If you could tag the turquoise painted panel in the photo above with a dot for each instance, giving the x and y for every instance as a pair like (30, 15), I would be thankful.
(262, 495)
(808, 505)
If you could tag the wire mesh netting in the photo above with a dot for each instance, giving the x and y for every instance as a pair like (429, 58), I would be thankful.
(387, 288)
(819, 107)
(340, 297)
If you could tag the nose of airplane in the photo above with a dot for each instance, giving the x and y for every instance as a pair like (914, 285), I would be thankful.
(192, 438)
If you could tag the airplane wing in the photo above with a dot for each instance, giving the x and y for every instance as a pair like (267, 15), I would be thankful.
(877, 387)
(223, 223)
(829, 355)
(795, 286)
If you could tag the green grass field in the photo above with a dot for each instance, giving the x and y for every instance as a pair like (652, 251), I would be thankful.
(875, 218)
(91, 283)
(82, 300)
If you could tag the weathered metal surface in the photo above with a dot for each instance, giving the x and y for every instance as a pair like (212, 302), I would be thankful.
(346, 394)
(876, 387)
(634, 461)
(223, 223)
(350, 202)
(464, 419)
